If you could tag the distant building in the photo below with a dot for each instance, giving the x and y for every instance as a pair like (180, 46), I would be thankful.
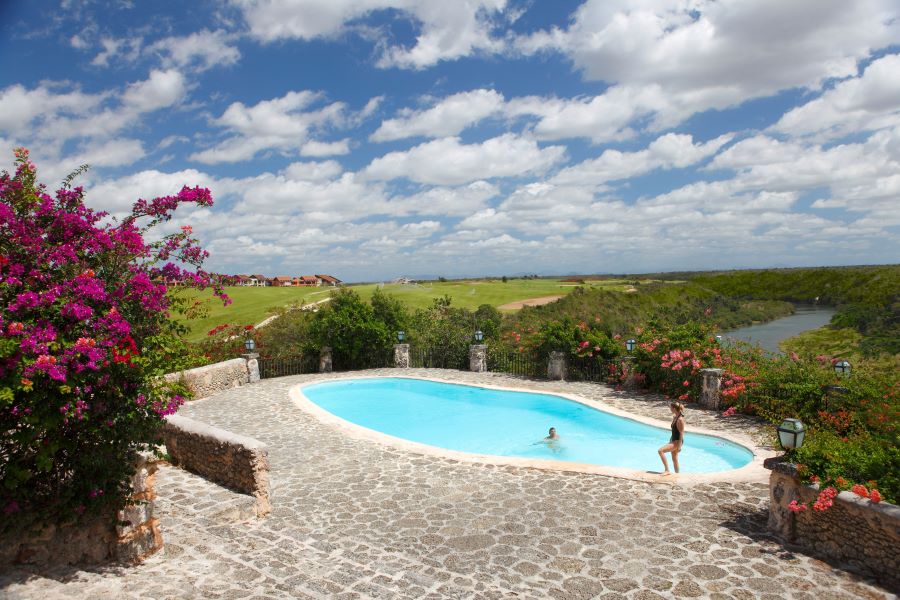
(404, 281)
(329, 280)
(282, 281)
(310, 281)
(259, 280)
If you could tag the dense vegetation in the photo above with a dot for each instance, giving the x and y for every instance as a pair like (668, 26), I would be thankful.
(867, 298)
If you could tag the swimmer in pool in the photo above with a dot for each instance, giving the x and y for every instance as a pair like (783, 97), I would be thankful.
(553, 435)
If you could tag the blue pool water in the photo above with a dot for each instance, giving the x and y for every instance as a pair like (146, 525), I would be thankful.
(485, 421)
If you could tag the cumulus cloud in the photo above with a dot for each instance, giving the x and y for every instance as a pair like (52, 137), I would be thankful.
(870, 101)
(283, 123)
(200, 50)
(448, 117)
(672, 150)
(708, 54)
(447, 30)
(447, 161)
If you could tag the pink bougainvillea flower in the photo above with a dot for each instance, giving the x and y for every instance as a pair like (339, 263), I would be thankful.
(794, 506)
(875, 496)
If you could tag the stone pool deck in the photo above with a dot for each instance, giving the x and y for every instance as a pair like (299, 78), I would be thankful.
(357, 519)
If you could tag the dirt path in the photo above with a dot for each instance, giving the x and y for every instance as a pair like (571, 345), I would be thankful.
(529, 302)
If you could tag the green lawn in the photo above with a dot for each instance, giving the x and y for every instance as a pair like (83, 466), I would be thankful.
(250, 305)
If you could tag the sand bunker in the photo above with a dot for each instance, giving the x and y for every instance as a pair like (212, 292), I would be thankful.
(529, 302)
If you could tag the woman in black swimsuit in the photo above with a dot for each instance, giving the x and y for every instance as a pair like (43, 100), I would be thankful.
(677, 439)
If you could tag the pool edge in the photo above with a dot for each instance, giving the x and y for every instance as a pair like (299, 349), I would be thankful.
(751, 472)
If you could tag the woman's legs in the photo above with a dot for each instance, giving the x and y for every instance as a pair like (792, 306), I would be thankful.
(662, 456)
(675, 452)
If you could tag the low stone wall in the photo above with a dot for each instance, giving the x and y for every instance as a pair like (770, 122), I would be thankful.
(854, 531)
(228, 459)
(206, 381)
(130, 536)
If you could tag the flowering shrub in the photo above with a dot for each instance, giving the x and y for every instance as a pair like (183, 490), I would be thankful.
(84, 329)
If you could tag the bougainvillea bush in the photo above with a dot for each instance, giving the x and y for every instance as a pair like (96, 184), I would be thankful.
(83, 326)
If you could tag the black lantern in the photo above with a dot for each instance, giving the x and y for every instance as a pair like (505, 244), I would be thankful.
(842, 368)
(630, 343)
(401, 335)
(479, 336)
(249, 344)
(791, 433)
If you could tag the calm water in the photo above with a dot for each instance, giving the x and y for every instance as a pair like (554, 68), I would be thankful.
(768, 335)
(483, 421)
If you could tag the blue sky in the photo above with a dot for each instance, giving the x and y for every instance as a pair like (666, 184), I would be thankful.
(379, 138)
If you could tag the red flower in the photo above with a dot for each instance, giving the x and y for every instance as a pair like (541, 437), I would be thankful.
(860, 490)
(875, 496)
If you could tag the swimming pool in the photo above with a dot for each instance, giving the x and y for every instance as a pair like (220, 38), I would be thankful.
(481, 420)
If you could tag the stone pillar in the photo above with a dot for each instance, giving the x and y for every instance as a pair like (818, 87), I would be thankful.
(628, 369)
(478, 358)
(252, 359)
(556, 368)
(325, 360)
(709, 391)
(401, 356)
(138, 529)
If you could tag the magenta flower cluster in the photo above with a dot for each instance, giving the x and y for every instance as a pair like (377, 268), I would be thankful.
(83, 307)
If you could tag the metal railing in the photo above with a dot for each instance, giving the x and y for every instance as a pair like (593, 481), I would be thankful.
(291, 365)
(439, 358)
(592, 369)
(516, 363)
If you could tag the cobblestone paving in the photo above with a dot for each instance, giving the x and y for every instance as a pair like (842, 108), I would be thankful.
(354, 519)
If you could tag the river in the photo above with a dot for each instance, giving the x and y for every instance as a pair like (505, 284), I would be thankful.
(768, 335)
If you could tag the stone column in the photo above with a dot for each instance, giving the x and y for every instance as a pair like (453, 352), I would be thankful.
(401, 356)
(628, 367)
(137, 529)
(709, 392)
(325, 360)
(478, 358)
(252, 359)
(556, 368)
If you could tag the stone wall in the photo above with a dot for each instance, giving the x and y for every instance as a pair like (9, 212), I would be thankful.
(206, 381)
(129, 536)
(228, 459)
(854, 531)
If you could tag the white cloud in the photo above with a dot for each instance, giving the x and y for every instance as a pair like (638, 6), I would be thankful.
(672, 150)
(448, 30)
(112, 153)
(281, 123)
(447, 161)
(448, 117)
(318, 148)
(313, 171)
(706, 54)
(201, 50)
(20, 107)
(161, 90)
(127, 50)
(870, 101)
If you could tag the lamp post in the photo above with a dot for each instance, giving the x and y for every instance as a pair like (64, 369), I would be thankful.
(479, 336)
(791, 433)
(842, 368)
(401, 335)
(630, 343)
(719, 340)
(249, 345)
